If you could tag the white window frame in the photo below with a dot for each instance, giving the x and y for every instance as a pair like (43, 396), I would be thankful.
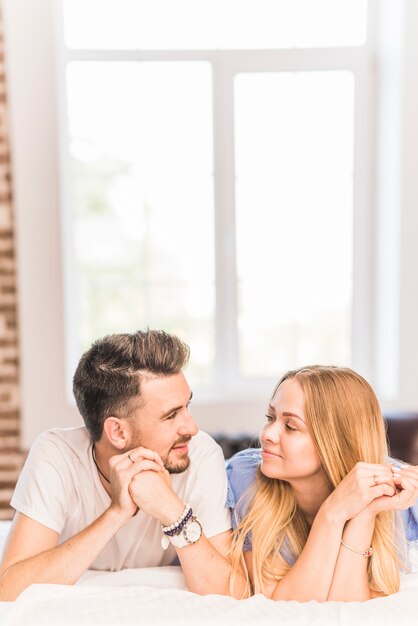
(226, 64)
(35, 131)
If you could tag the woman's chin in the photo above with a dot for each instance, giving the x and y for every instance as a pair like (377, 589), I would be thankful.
(269, 471)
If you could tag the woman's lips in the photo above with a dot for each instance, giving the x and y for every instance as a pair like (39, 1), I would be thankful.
(268, 454)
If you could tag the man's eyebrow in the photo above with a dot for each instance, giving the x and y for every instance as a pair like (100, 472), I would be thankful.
(177, 408)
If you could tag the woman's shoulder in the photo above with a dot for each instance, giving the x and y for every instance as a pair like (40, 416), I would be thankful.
(241, 471)
(243, 464)
(410, 521)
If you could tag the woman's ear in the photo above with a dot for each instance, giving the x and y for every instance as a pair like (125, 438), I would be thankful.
(116, 432)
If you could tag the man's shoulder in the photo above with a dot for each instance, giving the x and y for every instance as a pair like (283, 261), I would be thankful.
(73, 441)
(202, 444)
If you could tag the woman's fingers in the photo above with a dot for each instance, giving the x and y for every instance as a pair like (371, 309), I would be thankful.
(408, 481)
(404, 497)
(383, 489)
(408, 472)
(382, 477)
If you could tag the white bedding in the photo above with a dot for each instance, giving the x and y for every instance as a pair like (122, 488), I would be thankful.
(157, 596)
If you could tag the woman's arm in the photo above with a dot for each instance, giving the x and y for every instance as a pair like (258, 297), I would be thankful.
(313, 574)
(351, 570)
(350, 576)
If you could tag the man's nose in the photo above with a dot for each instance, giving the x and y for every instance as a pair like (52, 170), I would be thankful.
(188, 425)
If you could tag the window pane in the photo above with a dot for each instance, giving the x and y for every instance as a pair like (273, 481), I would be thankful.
(211, 24)
(141, 182)
(294, 136)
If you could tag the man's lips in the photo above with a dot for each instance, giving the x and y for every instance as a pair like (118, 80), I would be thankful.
(182, 446)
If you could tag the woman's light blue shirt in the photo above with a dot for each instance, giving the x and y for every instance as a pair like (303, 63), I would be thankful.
(241, 470)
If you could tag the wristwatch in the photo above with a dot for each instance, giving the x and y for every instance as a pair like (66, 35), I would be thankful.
(189, 534)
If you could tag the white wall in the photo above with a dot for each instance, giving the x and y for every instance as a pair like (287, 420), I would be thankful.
(33, 111)
(34, 134)
(396, 273)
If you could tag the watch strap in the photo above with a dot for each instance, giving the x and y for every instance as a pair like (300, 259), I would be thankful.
(182, 540)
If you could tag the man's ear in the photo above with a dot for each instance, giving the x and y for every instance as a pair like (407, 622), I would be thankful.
(116, 432)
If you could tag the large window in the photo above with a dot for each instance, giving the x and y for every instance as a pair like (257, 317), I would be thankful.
(212, 178)
(290, 268)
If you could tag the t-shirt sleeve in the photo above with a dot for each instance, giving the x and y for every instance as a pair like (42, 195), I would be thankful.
(42, 488)
(209, 489)
(241, 472)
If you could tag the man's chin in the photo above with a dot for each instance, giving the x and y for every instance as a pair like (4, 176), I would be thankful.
(178, 467)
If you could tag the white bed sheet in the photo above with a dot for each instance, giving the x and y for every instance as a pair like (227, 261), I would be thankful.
(158, 596)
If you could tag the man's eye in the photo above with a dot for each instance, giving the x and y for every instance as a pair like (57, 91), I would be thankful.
(172, 416)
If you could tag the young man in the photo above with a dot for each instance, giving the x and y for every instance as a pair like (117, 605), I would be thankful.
(133, 487)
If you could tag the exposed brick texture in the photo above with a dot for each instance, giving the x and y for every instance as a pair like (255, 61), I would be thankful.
(11, 458)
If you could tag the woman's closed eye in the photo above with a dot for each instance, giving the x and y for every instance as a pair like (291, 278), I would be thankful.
(289, 426)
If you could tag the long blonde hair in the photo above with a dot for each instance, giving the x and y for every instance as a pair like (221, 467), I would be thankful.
(347, 426)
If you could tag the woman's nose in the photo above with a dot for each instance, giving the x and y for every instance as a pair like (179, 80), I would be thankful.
(273, 432)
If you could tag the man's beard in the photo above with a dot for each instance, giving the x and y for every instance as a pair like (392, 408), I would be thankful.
(173, 467)
(181, 465)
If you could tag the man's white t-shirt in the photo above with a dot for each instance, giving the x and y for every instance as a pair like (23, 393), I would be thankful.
(60, 488)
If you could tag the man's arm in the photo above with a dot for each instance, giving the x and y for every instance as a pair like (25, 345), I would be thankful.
(204, 563)
(207, 569)
(32, 556)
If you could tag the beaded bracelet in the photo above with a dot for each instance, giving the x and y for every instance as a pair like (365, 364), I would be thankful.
(177, 527)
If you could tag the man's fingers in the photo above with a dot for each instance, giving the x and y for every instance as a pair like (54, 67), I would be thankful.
(123, 461)
(142, 466)
(144, 453)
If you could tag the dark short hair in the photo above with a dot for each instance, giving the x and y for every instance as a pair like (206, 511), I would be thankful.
(109, 374)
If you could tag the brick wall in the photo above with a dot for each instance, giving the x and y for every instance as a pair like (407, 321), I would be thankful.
(10, 456)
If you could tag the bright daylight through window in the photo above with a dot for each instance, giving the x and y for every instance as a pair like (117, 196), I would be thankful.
(209, 172)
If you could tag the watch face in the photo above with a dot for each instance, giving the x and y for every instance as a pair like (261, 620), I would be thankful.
(192, 531)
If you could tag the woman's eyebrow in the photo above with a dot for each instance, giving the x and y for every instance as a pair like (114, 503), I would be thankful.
(289, 414)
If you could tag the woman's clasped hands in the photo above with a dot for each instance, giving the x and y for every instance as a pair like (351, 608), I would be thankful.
(371, 488)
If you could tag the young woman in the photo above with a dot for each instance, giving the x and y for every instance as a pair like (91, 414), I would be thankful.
(314, 509)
